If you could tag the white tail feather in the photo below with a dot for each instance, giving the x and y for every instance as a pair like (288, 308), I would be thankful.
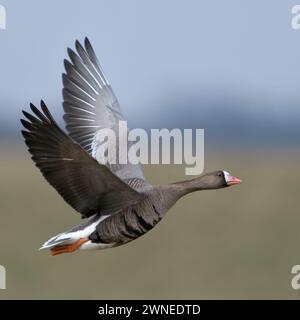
(72, 236)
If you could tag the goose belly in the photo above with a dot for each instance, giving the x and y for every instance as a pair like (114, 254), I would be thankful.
(125, 226)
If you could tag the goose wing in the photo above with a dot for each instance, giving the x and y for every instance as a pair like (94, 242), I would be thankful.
(90, 106)
(86, 185)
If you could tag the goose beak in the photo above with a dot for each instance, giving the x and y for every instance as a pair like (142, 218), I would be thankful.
(231, 180)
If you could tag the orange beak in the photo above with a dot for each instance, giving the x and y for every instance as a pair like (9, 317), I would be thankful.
(231, 180)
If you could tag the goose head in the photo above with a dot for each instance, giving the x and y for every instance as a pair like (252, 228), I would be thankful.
(217, 180)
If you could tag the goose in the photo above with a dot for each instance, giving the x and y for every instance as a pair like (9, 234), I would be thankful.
(116, 200)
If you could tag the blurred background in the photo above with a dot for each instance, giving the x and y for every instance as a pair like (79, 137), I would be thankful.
(231, 68)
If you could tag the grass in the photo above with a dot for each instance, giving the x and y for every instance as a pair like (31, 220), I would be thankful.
(239, 242)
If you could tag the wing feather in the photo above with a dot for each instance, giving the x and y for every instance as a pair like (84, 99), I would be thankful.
(79, 179)
(90, 105)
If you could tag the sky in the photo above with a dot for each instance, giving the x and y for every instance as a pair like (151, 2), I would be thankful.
(231, 67)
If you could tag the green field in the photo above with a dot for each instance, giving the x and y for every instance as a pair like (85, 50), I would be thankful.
(239, 242)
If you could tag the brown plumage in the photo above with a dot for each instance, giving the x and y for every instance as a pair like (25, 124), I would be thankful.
(120, 204)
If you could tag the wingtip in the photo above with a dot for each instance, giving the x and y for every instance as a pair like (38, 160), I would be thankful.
(87, 43)
(24, 123)
(33, 108)
(27, 115)
(70, 52)
(25, 134)
(67, 65)
(78, 45)
(64, 77)
(44, 108)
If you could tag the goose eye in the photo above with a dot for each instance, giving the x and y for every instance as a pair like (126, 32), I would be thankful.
(220, 174)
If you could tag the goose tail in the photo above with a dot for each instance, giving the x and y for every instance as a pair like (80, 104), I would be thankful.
(76, 238)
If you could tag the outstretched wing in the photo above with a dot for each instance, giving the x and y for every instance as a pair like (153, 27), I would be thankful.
(90, 105)
(86, 185)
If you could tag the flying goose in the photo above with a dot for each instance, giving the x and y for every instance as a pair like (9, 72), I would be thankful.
(118, 202)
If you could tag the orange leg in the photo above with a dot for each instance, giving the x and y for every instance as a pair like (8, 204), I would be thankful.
(68, 247)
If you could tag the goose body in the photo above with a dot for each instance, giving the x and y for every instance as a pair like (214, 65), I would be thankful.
(118, 202)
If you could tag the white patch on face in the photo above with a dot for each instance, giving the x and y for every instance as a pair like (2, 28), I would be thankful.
(226, 175)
